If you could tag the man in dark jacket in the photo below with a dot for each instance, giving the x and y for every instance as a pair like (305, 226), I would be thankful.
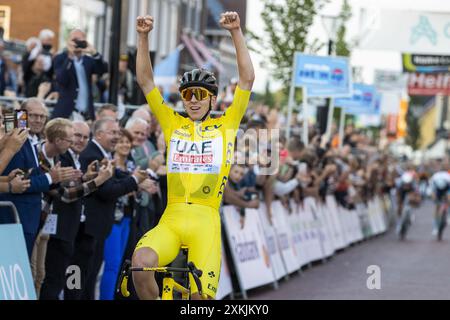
(66, 204)
(99, 208)
(74, 69)
(28, 204)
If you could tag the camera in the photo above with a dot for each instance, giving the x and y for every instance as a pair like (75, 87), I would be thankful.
(81, 44)
(249, 196)
(17, 119)
(25, 174)
(152, 175)
(97, 166)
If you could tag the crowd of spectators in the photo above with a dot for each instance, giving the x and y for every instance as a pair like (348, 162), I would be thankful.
(88, 183)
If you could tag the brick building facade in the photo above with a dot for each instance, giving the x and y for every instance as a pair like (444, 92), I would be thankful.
(28, 17)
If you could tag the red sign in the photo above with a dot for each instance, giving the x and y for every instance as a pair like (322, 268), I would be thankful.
(428, 84)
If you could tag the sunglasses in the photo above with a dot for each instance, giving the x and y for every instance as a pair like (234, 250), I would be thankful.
(199, 93)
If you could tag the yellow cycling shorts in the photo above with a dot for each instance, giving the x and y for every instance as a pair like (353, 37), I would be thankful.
(195, 226)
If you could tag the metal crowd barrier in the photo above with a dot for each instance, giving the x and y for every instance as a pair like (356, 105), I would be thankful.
(13, 208)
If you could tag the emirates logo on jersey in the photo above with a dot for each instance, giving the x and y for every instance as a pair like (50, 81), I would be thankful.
(198, 157)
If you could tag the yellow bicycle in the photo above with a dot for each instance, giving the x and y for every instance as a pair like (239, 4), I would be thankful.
(169, 284)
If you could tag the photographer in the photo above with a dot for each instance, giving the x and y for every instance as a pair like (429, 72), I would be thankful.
(28, 204)
(74, 69)
(10, 144)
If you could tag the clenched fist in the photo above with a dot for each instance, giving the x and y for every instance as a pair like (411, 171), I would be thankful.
(144, 24)
(230, 20)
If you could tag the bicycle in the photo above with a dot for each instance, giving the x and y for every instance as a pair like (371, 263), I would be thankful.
(442, 218)
(405, 219)
(169, 284)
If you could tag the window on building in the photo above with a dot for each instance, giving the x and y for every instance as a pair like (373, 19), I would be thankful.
(5, 22)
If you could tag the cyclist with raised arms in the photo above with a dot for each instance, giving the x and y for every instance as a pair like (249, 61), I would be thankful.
(199, 155)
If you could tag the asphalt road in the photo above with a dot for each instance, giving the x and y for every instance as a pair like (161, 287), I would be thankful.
(417, 268)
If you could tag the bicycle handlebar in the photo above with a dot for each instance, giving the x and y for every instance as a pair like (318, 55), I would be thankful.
(122, 285)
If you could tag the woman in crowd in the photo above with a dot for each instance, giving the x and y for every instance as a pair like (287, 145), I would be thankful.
(117, 241)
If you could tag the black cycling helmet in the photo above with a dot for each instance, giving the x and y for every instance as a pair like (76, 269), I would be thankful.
(199, 78)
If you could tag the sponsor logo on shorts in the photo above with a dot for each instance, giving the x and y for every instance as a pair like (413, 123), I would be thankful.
(212, 288)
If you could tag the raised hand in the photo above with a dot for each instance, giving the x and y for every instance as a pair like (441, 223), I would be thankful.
(90, 49)
(140, 174)
(230, 20)
(105, 173)
(144, 24)
(44, 89)
(15, 140)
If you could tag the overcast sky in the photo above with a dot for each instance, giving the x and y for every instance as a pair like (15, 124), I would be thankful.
(369, 60)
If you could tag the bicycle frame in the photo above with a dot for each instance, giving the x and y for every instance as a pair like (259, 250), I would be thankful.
(169, 284)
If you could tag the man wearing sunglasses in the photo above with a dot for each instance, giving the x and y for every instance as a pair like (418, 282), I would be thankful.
(199, 154)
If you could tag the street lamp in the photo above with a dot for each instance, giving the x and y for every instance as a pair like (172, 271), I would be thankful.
(330, 24)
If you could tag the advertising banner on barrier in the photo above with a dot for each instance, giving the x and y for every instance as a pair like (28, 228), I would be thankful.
(272, 244)
(346, 223)
(307, 241)
(285, 237)
(373, 219)
(323, 76)
(249, 248)
(358, 227)
(315, 226)
(363, 100)
(380, 214)
(300, 243)
(16, 282)
(338, 232)
(425, 63)
(326, 234)
(364, 219)
(225, 284)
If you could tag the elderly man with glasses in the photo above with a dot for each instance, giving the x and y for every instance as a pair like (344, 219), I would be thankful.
(28, 204)
(67, 200)
(99, 207)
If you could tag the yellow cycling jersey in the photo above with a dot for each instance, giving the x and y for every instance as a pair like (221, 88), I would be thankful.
(199, 153)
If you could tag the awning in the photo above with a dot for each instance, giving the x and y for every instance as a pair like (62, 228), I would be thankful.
(189, 45)
(166, 71)
(207, 54)
(168, 67)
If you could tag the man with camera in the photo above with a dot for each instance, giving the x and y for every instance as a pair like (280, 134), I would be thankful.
(28, 204)
(99, 207)
(67, 205)
(74, 69)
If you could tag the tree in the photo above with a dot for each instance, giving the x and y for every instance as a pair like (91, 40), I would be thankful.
(268, 99)
(286, 25)
(413, 127)
(342, 47)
